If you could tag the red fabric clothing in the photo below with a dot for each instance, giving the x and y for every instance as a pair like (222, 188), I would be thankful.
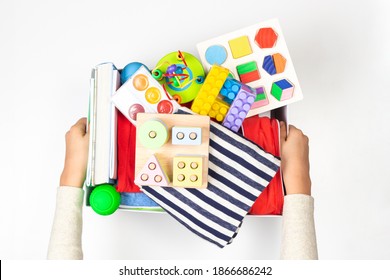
(265, 132)
(126, 155)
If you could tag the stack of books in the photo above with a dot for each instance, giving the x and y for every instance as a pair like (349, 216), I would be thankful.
(102, 118)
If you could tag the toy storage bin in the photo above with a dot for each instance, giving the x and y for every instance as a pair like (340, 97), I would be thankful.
(279, 114)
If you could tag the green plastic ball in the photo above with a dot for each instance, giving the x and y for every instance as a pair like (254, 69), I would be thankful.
(104, 199)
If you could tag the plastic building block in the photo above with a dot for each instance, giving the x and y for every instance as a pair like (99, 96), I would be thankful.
(282, 90)
(240, 47)
(153, 134)
(266, 38)
(230, 89)
(248, 72)
(239, 108)
(152, 174)
(218, 110)
(187, 171)
(186, 135)
(210, 89)
(274, 64)
(142, 93)
(261, 98)
(216, 54)
(181, 74)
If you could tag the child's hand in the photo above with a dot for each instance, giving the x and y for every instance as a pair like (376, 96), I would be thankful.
(295, 160)
(76, 157)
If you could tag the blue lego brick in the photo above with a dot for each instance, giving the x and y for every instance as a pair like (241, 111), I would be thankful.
(239, 108)
(230, 89)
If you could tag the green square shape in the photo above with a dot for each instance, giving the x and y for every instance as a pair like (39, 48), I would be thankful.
(276, 91)
(240, 47)
(247, 67)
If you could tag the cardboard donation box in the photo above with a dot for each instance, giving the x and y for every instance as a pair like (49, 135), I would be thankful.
(194, 137)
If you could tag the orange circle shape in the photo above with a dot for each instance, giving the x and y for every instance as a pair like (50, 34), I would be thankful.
(140, 82)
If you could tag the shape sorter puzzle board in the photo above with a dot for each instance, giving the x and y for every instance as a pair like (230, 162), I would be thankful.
(175, 146)
(258, 56)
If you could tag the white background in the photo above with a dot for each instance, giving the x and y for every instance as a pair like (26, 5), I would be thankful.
(340, 51)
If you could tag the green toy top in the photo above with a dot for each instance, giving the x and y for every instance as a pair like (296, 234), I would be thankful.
(181, 74)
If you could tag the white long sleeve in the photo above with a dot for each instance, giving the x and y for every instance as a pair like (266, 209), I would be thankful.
(65, 240)
(298, 236)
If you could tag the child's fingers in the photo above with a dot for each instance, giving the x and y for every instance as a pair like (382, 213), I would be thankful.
(292, 128)
(283, 131)
(81, 125)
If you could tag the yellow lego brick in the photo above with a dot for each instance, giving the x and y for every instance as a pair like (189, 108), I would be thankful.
(187, 171)
(210, 89)
(240, 47)
(218, 110)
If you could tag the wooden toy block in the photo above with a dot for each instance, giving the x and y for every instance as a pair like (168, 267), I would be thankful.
(261, 98)
(153, 134)
(239, 108)
(187, 171)
(152, 174)
(266, 38)
(142, 93)
(240, 47)
(248, 72)
(168, 151)
(282, 90)
(210, 89)
(274, 64)
(269, 65)
(218, 110)
(216, 54)
(186, 135)
(280, 62)
(267, 49)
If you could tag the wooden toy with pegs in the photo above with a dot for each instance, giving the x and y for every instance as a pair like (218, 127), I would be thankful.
(153, 145)
(258, 56)
(152, 174)
(187, 171)
(186, 135)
